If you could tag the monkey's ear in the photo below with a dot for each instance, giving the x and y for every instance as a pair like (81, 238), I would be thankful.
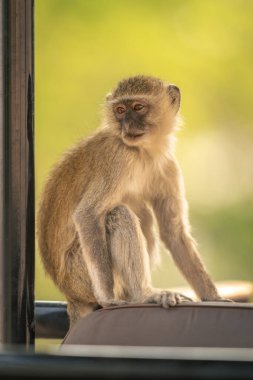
(175, 96)
(108, 97)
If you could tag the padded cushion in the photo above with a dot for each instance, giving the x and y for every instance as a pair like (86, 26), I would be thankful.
(207, 324)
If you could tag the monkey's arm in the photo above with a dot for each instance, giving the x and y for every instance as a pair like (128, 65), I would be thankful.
(174, 229)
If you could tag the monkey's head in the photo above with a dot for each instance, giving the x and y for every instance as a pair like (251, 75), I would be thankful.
(142, 109)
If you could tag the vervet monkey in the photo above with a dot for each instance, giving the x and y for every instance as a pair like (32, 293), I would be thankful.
(96, 229)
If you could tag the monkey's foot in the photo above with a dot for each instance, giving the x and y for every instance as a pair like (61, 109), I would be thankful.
(167, 298)
(112, 302)
(217, 300)
(225, 300)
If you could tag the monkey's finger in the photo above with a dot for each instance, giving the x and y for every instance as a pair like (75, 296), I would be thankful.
(184, 298)
(217, 300)
(118, 303)
(224, 300)
(170, 299)
(164, 301)
(181, 299)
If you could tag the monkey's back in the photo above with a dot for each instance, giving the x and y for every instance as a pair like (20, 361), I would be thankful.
(66, 185)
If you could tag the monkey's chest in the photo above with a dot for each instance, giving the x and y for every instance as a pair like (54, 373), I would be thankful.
(138, 183)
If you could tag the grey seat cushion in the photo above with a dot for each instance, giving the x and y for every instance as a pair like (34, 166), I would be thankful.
(187, 325)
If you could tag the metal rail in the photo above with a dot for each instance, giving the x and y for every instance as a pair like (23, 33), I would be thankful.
(51, 319)
(17, 173)
(122, 364)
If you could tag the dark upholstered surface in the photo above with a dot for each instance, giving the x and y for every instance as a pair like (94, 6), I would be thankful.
(187, 325)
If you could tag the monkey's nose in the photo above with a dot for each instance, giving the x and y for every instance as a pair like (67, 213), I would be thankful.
(127, 127)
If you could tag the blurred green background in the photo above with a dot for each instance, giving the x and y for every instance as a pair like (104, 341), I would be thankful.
(83, 47)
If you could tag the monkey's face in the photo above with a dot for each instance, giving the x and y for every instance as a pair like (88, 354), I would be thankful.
(132, 118)
(142, 118)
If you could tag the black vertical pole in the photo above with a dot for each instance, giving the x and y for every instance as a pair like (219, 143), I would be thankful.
(17, 247)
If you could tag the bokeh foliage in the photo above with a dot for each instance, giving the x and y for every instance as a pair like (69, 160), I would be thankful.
(83, 47)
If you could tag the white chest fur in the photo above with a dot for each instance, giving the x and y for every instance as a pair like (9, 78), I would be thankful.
(144, 176)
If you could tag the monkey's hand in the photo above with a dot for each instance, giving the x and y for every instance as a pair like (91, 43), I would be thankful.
(166, 298)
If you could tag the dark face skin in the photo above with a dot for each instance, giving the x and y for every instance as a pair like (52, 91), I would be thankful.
(131, 115)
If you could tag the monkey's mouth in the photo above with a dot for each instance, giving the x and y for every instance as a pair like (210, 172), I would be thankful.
(133, 136)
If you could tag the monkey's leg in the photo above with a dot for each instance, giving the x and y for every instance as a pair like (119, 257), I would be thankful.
(77, 310)
(129, 254)
(75, 283)
(91, 231)
(130, 259)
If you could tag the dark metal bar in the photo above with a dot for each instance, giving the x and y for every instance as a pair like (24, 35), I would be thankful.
(2, 288)
(40, 366)
(17, 253)
(51, 319)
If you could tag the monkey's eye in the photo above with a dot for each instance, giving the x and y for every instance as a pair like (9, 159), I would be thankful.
(138, 107)
(120, 110)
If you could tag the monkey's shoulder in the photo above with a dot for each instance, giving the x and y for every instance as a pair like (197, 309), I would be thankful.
(88, 152)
